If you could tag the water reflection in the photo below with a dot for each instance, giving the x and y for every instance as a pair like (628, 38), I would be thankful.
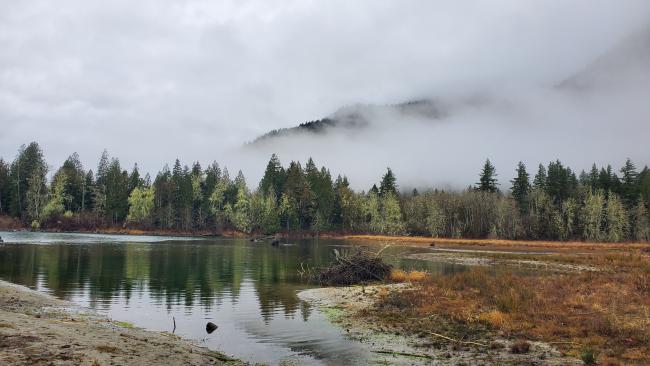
(248, 289)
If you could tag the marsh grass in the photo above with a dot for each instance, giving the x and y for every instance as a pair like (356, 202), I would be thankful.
(605, 312)
(399, 275)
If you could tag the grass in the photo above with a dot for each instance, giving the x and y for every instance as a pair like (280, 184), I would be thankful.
(399, 275)
(601, 316)
(124, 324)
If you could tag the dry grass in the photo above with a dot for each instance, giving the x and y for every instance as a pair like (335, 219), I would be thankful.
(519, 244)
(608, 312)
(398, 275)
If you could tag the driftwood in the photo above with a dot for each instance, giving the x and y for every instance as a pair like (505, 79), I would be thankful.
(356, 268)
(457, 341)
(404, 354)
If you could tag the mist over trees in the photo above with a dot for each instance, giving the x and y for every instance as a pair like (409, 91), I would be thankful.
(556, 204)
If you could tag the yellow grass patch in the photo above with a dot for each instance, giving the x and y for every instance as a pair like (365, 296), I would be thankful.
(494, 318)
(399, 275)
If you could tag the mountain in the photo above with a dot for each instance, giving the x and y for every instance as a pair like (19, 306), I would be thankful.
(625, 66)
(361, 116)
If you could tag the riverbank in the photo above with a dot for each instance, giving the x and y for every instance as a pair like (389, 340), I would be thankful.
(578, 303)
(38, 329)
(357, 310)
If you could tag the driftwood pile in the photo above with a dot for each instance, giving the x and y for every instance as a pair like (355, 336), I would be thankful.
(357, 267)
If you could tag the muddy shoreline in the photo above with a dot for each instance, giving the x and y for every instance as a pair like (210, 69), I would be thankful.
(38, 329)
(347, 307)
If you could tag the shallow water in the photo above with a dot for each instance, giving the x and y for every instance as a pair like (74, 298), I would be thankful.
(248, 289)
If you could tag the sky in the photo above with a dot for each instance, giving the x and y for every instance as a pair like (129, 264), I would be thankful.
(152, 81)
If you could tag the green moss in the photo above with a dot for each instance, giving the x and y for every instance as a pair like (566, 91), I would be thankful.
(124, 324)
(332, 313)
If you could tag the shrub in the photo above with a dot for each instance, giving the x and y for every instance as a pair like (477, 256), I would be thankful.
(36, 225)
(588, 356)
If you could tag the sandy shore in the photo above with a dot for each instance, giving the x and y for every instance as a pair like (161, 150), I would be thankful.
(345, 306)
(38, 329)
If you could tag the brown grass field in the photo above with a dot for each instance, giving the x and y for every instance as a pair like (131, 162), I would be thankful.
(603, 314)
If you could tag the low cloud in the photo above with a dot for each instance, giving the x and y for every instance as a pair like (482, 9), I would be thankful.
(152, 81)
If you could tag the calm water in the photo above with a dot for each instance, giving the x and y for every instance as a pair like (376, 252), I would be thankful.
(248, 289)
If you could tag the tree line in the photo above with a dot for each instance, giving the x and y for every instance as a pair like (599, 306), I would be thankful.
(554, 204)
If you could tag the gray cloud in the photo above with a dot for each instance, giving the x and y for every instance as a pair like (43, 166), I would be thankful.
(156, 80)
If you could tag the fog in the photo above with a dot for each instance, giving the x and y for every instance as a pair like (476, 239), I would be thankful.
(195, 80)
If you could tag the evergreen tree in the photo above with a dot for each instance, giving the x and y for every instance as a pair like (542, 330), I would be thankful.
(593, 178)
(388, 184)
(116, 192)
(487, 180)
(521, 187)
(540, 178)
(87, 190)
(560, 182)
(273, 178)
(75, 176)
(299, 192)
(27, 174)
(5, 186)
(629, 184)
(374, 189)
(644, 185)
(134, 179)
(270, 214)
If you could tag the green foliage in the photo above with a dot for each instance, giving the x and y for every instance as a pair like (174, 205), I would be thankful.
(640, 223)
(592, 216)
(616, 221)
(539, 182)
(391, 215)
(599, 206)
(388, 183)
(141, 203)
(521, 187)
(55, 206)
(588, 355)
(487, 179)
(5, 187)
(435, 220)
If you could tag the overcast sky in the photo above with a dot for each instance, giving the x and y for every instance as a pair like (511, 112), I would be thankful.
(155, 80)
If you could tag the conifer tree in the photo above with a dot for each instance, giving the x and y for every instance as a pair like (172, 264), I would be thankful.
(5, 186)
(629, 184)
(540, 178)
(273, 178)
(521, 187)
(487, 179)
(388, 183)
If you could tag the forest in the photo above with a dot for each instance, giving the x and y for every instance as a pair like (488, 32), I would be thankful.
(600, 204)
